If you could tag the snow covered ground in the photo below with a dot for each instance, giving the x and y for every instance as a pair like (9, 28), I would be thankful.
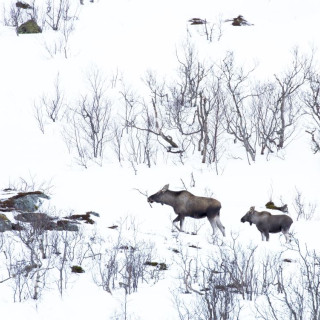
(128, 38)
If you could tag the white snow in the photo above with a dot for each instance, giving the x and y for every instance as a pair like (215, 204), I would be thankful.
(129, 38)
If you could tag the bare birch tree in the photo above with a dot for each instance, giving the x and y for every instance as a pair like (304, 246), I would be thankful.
(240, 122)
(311, 100)
(286, 102)
(88, 128)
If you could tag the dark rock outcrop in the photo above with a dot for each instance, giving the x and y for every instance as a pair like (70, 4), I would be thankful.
(23, 201)
(25, 206)
(23, 5)
(197, 21)
(271, 205)
(83, 217)
(77, 269)
(65, 225)
(40, 221)
(239, 21)
(30, 26)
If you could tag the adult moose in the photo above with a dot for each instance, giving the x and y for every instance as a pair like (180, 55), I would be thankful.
(267, 223)
(185, 204)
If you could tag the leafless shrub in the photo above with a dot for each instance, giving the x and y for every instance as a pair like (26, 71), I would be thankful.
(106, 264)
(133, 269)
(55, 46)
(60, 44)
(15, 15)
(298, 297)
(31, 183)
(122, 263)
(62, 262)
(73, 138)
(30, 265)
(58, 11)
(144, 123)
(277, 108)
(181, 116)
(265, 115)
(311, 101)
(189, 105)
(38, 253)
(219, 300)
(15, 263)
(129, 134)
(94, 112)
(68, 27)
(211, 30)
(287, 90)
(266, 118)
(239, 264)
(117, 141)
(88, 129)
(40, 118)
(300, 207)
(54, 106)
(189, 271)
(213, 295)
(239, 121)
(108, 269)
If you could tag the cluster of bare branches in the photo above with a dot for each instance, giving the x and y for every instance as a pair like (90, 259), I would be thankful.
(303, 210)
(207, 104)
(50, 107)
(211, 30)
(123, 263)
(20, 12)
(265, 115)
(295, 296)
(58, 15)
(89, 127)
(311, 101)
(36, 258)
(185, 115)
(202, 110)
(218, 284)
(239, 113)
(281, 288)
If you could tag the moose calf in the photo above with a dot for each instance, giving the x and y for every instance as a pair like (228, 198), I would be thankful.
(268, 223)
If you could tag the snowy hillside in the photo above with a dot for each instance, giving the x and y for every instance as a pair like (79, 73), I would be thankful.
(128, 96)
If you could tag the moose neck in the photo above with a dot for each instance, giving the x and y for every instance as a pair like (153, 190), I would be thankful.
(169, 198)
(255, 217)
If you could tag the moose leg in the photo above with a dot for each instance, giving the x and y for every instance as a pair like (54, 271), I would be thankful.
(181, 223)
(178, 219)
(286, 234)
(220, 225)
(213, 223)
(264, 233)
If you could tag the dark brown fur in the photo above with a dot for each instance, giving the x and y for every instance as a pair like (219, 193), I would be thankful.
(185, 204)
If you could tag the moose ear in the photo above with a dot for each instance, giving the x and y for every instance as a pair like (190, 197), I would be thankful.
(165, 188)
(251, 209)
